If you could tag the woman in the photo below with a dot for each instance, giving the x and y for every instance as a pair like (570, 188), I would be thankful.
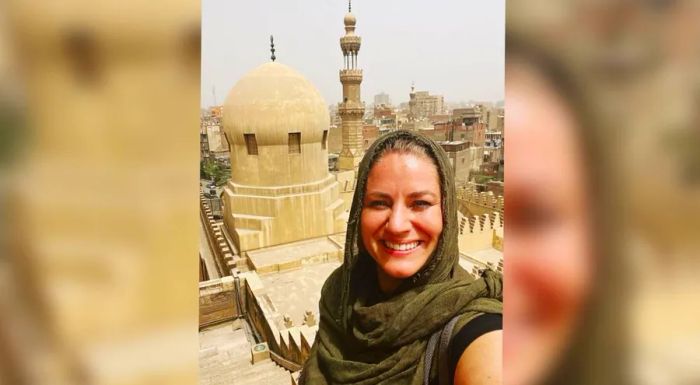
(400, 285)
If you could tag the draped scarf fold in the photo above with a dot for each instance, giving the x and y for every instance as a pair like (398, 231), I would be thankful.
(368, 338)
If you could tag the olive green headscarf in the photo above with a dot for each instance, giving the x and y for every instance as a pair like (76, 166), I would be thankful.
(366, 337)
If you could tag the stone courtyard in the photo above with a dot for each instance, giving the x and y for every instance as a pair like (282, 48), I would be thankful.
(294, 292)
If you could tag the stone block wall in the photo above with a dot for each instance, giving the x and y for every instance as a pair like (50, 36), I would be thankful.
(217, 301)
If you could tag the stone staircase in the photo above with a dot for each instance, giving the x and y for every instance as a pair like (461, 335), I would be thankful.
(225, 359)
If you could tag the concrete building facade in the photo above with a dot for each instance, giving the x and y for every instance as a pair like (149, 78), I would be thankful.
(382, 99)
(422, 105)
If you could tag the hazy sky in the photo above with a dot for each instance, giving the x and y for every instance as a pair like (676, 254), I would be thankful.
(448, 47)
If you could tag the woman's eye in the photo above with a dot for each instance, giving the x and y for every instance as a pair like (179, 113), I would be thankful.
(378, 204)
(420, 204)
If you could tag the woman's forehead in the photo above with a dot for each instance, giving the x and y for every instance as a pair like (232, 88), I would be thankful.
(404, 171)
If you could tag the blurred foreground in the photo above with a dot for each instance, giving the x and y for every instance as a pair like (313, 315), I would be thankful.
(98, 192)
(626, 75)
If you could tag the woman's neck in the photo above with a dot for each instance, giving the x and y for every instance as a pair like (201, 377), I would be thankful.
(387, 283)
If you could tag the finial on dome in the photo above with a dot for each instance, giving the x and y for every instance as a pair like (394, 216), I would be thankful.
(349, 5)
(272, 48)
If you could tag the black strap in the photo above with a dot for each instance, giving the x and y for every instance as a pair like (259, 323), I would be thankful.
(443, 369)
(429, 350)
(450, 349)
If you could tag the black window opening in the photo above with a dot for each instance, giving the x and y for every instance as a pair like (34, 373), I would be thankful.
(294, 142)
(324, 141)
(251, 144)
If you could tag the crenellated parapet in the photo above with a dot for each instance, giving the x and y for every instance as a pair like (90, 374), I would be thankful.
(225, 258)
(475, 224)
(479, 232)
(474, 202)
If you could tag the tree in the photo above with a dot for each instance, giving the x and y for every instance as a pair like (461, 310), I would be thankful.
(214, 171)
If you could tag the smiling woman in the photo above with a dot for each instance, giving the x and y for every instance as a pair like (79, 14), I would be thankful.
(401, 217)
(400, 289)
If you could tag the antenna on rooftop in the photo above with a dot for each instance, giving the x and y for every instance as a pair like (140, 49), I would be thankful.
(272, 48)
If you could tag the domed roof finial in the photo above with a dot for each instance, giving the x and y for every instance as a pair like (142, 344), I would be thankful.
(349, 6)
(272, 48)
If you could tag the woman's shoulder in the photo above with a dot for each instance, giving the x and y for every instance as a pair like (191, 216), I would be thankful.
(475, 346)
(481, 363)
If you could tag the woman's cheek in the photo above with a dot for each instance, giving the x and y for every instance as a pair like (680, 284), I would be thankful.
(563, 255)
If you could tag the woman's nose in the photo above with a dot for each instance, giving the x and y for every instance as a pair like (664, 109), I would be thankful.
(399, 220)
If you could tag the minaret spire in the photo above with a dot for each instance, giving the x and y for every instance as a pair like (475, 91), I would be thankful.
(272, 48)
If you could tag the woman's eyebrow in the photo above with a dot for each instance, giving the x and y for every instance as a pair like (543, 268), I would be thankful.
(422, 193)
(378, 194)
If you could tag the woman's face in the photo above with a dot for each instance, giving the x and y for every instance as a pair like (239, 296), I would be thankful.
(548, 236)
(401, 217)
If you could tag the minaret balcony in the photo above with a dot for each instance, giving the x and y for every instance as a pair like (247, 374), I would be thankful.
(351, 109)
(351, 39)
(351, 76)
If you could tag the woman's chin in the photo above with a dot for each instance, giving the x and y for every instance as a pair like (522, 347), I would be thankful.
(399, 270)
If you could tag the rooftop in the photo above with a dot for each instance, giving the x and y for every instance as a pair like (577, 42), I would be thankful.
(294, 291)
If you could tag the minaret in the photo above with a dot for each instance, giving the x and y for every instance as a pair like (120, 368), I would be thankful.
(351, 110)
(412, 103)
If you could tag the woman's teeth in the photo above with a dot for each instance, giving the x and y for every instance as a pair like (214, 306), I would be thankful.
(401, 246)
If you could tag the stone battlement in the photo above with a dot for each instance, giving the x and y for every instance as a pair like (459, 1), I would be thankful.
(476, 203)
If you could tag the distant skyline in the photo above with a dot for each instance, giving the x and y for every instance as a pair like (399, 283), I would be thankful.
(450, 48)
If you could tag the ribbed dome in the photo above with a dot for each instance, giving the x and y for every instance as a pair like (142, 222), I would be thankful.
(272, 101)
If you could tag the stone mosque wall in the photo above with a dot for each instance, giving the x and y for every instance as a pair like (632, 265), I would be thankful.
(261, 216)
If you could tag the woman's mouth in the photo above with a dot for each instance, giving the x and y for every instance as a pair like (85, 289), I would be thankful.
(403, 247)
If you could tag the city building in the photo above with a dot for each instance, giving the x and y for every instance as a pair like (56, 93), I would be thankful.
(464, 157)
(370, 133)
(382, 99)
(493, 147)
(459, 154)
(422, 105)
(384, 116)
(467, 115)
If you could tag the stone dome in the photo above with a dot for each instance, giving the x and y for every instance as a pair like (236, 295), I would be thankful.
(272, 101)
